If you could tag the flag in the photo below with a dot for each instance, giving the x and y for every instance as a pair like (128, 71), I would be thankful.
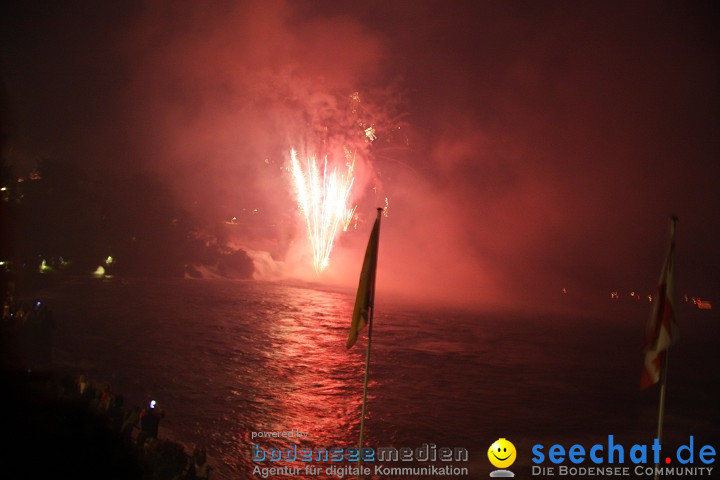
(661, 330)
(366, 289)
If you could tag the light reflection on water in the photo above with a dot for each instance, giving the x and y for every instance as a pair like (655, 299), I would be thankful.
(229, 358)
(307, 376)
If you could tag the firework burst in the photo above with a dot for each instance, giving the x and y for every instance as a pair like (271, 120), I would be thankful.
(323, 201)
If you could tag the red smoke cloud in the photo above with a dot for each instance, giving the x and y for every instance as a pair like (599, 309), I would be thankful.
(522, 149)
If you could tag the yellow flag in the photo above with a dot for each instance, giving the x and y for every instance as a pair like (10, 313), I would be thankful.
(366, 289)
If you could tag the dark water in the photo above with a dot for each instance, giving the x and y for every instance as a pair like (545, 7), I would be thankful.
(225, 359)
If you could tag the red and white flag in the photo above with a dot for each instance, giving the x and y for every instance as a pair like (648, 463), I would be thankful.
(661, 330)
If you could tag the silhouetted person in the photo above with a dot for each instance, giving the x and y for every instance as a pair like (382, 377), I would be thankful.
(149, 422)
(88, 394)
(82, 385)
(116, 413)
(131, 419)
(105, 398)
(198, 468)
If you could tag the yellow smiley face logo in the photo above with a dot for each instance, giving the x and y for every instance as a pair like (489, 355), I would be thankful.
(502, 453)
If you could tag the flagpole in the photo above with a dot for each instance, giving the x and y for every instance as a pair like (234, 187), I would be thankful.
(367, 358)
(661, 413)
(365, 388)
(663, 376)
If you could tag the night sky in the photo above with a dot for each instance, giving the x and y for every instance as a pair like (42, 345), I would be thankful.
(524, 147)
